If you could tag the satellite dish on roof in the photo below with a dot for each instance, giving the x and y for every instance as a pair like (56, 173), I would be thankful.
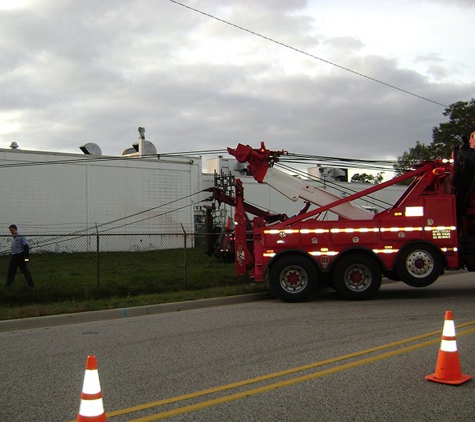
(91, 149)
(149, 148)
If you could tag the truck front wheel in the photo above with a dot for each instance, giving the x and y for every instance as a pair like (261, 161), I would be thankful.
(293, 278)
(419, 265)
(356, 277)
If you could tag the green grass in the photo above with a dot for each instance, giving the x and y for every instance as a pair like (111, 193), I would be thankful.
(71, 282)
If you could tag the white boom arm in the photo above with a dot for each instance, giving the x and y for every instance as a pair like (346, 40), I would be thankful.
(294, 188)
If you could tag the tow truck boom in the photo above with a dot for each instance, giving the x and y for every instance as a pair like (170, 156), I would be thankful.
(261, 163)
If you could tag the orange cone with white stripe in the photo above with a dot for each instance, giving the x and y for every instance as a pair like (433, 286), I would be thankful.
(448, 369)
(91, 408)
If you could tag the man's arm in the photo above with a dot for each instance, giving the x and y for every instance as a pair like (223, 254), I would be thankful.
(26, 252)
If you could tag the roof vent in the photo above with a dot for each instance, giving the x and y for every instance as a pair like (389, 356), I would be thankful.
(141, 147)
(91, 149)
(129, 151)
(148, 147)
(14, 145)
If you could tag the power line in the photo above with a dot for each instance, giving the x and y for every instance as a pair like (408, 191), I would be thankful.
(344, 190)
(310, 55)
(381, 165)
(203, 152)
(87, 158)
(72, 160)
(290, 157)
(322, 157)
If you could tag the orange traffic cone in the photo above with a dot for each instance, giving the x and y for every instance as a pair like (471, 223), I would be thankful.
(91, 408)
(448, 369)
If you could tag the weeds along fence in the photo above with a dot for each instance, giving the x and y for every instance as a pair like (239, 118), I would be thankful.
(81, 266)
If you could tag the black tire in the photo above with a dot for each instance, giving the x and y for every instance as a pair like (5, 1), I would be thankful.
(293, 278)
(357, 277)
(419, 265)
(392, 275)
(470, 266)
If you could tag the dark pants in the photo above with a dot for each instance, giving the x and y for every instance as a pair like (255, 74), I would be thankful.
(18, 261)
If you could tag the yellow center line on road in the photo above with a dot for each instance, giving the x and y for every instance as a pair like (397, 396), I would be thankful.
(296, 380)
(281, 374)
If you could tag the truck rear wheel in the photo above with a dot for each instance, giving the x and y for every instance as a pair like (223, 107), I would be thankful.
(293, 278)
(357, 277)
(419, 265)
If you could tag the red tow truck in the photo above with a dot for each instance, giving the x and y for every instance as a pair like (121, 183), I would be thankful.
(429, 229)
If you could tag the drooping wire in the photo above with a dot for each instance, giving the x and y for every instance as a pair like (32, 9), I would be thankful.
(68, 238)
(309, 55)
(87, 231)
(151, 217)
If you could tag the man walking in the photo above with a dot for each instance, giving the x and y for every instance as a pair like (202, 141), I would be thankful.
(19, 258)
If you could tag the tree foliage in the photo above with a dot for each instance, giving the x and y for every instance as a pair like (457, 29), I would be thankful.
(412, 157)
(367, 178)
(461, 122)
(445, 137)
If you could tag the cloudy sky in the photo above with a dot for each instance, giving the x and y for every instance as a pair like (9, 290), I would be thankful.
(82, 71)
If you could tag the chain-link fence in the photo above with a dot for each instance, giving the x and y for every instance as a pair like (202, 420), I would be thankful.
(103, 264)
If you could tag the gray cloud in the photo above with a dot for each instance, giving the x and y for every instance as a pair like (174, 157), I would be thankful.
(76, 72)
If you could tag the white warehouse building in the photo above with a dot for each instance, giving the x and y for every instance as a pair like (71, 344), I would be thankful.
(50, 195)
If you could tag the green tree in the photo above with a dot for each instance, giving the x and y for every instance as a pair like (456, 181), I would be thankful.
(367, 178)
(461, 122)
(412, 157)
(445, 136)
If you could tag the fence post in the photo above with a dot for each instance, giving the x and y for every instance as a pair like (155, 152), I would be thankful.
(97, 260)
(185, 275)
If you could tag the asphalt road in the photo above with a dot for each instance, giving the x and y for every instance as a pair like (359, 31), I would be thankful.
(326, 360)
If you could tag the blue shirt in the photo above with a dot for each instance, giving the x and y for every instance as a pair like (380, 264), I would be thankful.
(18, 244)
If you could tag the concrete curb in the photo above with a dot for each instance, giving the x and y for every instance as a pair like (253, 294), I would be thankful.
(109, 314)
